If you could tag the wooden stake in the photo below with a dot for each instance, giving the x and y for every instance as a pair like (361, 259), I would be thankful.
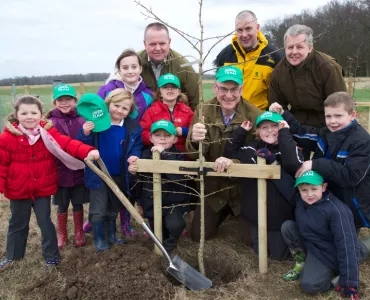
(82, 89)
(26, 89)
(262, 220)
(157, 203)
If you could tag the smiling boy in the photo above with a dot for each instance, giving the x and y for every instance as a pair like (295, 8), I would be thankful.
(341, 152)
(323, 239)
(174, 190)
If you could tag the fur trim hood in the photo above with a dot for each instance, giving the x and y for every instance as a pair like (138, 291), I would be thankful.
(12, 127)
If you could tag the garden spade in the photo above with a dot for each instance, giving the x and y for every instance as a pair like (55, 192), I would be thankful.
(178, 268)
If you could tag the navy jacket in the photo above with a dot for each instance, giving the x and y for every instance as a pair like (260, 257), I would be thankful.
(132, 146)
(343, 159)
(327, 229)
(172, 193)
(278, 208)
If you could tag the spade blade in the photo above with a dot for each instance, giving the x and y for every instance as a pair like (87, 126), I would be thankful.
(188, 276)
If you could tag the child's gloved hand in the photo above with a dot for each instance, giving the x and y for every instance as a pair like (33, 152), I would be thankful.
(348, 292)
(266, 154)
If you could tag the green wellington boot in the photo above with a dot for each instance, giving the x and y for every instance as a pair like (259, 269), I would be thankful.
(299, 258)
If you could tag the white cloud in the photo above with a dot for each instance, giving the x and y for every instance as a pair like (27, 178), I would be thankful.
(44, 37)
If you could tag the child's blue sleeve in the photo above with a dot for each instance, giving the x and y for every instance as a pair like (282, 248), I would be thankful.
(137, 147)
(185, 131)
(86, 139)
(306, 136)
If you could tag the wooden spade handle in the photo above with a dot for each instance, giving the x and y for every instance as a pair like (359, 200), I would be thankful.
(104, 175)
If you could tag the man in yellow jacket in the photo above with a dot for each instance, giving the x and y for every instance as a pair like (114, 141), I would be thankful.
(251, 52)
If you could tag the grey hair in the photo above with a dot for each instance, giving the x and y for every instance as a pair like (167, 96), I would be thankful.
(245, 13)
(298, 29)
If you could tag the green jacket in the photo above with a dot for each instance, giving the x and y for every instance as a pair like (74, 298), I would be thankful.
(188, 77)
(217, 131)
(307, 86)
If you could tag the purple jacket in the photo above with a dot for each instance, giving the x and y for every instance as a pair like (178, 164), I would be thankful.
(143, 96)
(68, 125)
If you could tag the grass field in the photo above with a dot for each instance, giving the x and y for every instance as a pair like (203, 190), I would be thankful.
(45, 93)
(234, 265)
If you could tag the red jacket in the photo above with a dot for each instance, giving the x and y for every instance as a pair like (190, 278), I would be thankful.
(182, 116)
(26, 171)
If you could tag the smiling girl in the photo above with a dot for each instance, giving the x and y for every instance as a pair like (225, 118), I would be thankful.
(127, 76)
(28, 175)
(71, 187)
(170, 105)
(265, 145)
(119, 145)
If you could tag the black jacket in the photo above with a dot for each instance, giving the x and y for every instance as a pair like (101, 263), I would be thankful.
(327, 229)
(278, 209)
(343, 159)
(172, 193)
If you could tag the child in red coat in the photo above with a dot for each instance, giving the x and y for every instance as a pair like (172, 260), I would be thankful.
(28, 175)
(170, 105)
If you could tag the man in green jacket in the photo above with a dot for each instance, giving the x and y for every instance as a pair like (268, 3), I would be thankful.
(305, 78)
(158, 59)
(222, 115)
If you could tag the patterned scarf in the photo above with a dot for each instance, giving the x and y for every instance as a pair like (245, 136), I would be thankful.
(52, 145)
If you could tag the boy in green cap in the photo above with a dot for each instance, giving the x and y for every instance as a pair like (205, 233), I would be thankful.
(174, 190)
(323, 239)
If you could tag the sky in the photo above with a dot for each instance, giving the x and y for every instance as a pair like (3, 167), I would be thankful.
(47, 37)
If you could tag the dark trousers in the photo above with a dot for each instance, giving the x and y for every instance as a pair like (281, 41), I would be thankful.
(212, 221)
(173, 224)
(19, 226)
(315, 277)
(276, 246)
(104, 204)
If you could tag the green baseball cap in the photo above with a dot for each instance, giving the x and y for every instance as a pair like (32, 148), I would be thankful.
(169, 79)
(165, 125)
(64, 90)
(229, 73)
(269, 116)
(310, 177)
(93, 108)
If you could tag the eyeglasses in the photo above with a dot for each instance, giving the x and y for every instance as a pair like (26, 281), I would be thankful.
(224, 90)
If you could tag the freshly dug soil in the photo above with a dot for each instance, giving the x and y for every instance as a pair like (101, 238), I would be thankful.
(123, 272)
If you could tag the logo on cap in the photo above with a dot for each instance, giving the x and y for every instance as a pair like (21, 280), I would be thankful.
(230, 72)
(97, 114)
(266, 115)
(308, 173)
(63, 88)
(169, 77)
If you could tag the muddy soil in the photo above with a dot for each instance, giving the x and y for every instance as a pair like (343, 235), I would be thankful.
(130, 271)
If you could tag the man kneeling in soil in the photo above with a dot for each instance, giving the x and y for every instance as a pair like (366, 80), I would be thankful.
(222, 115)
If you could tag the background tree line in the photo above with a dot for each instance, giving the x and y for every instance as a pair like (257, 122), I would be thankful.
(341, 29)
(68, 78)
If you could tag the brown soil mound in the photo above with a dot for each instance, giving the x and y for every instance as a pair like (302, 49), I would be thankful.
(122, 272)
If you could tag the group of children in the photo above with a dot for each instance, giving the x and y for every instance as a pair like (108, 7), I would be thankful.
(104, 125)
(314, 218)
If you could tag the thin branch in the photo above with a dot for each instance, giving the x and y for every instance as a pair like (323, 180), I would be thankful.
(226, 188)
(215, 44)
(153, 16)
